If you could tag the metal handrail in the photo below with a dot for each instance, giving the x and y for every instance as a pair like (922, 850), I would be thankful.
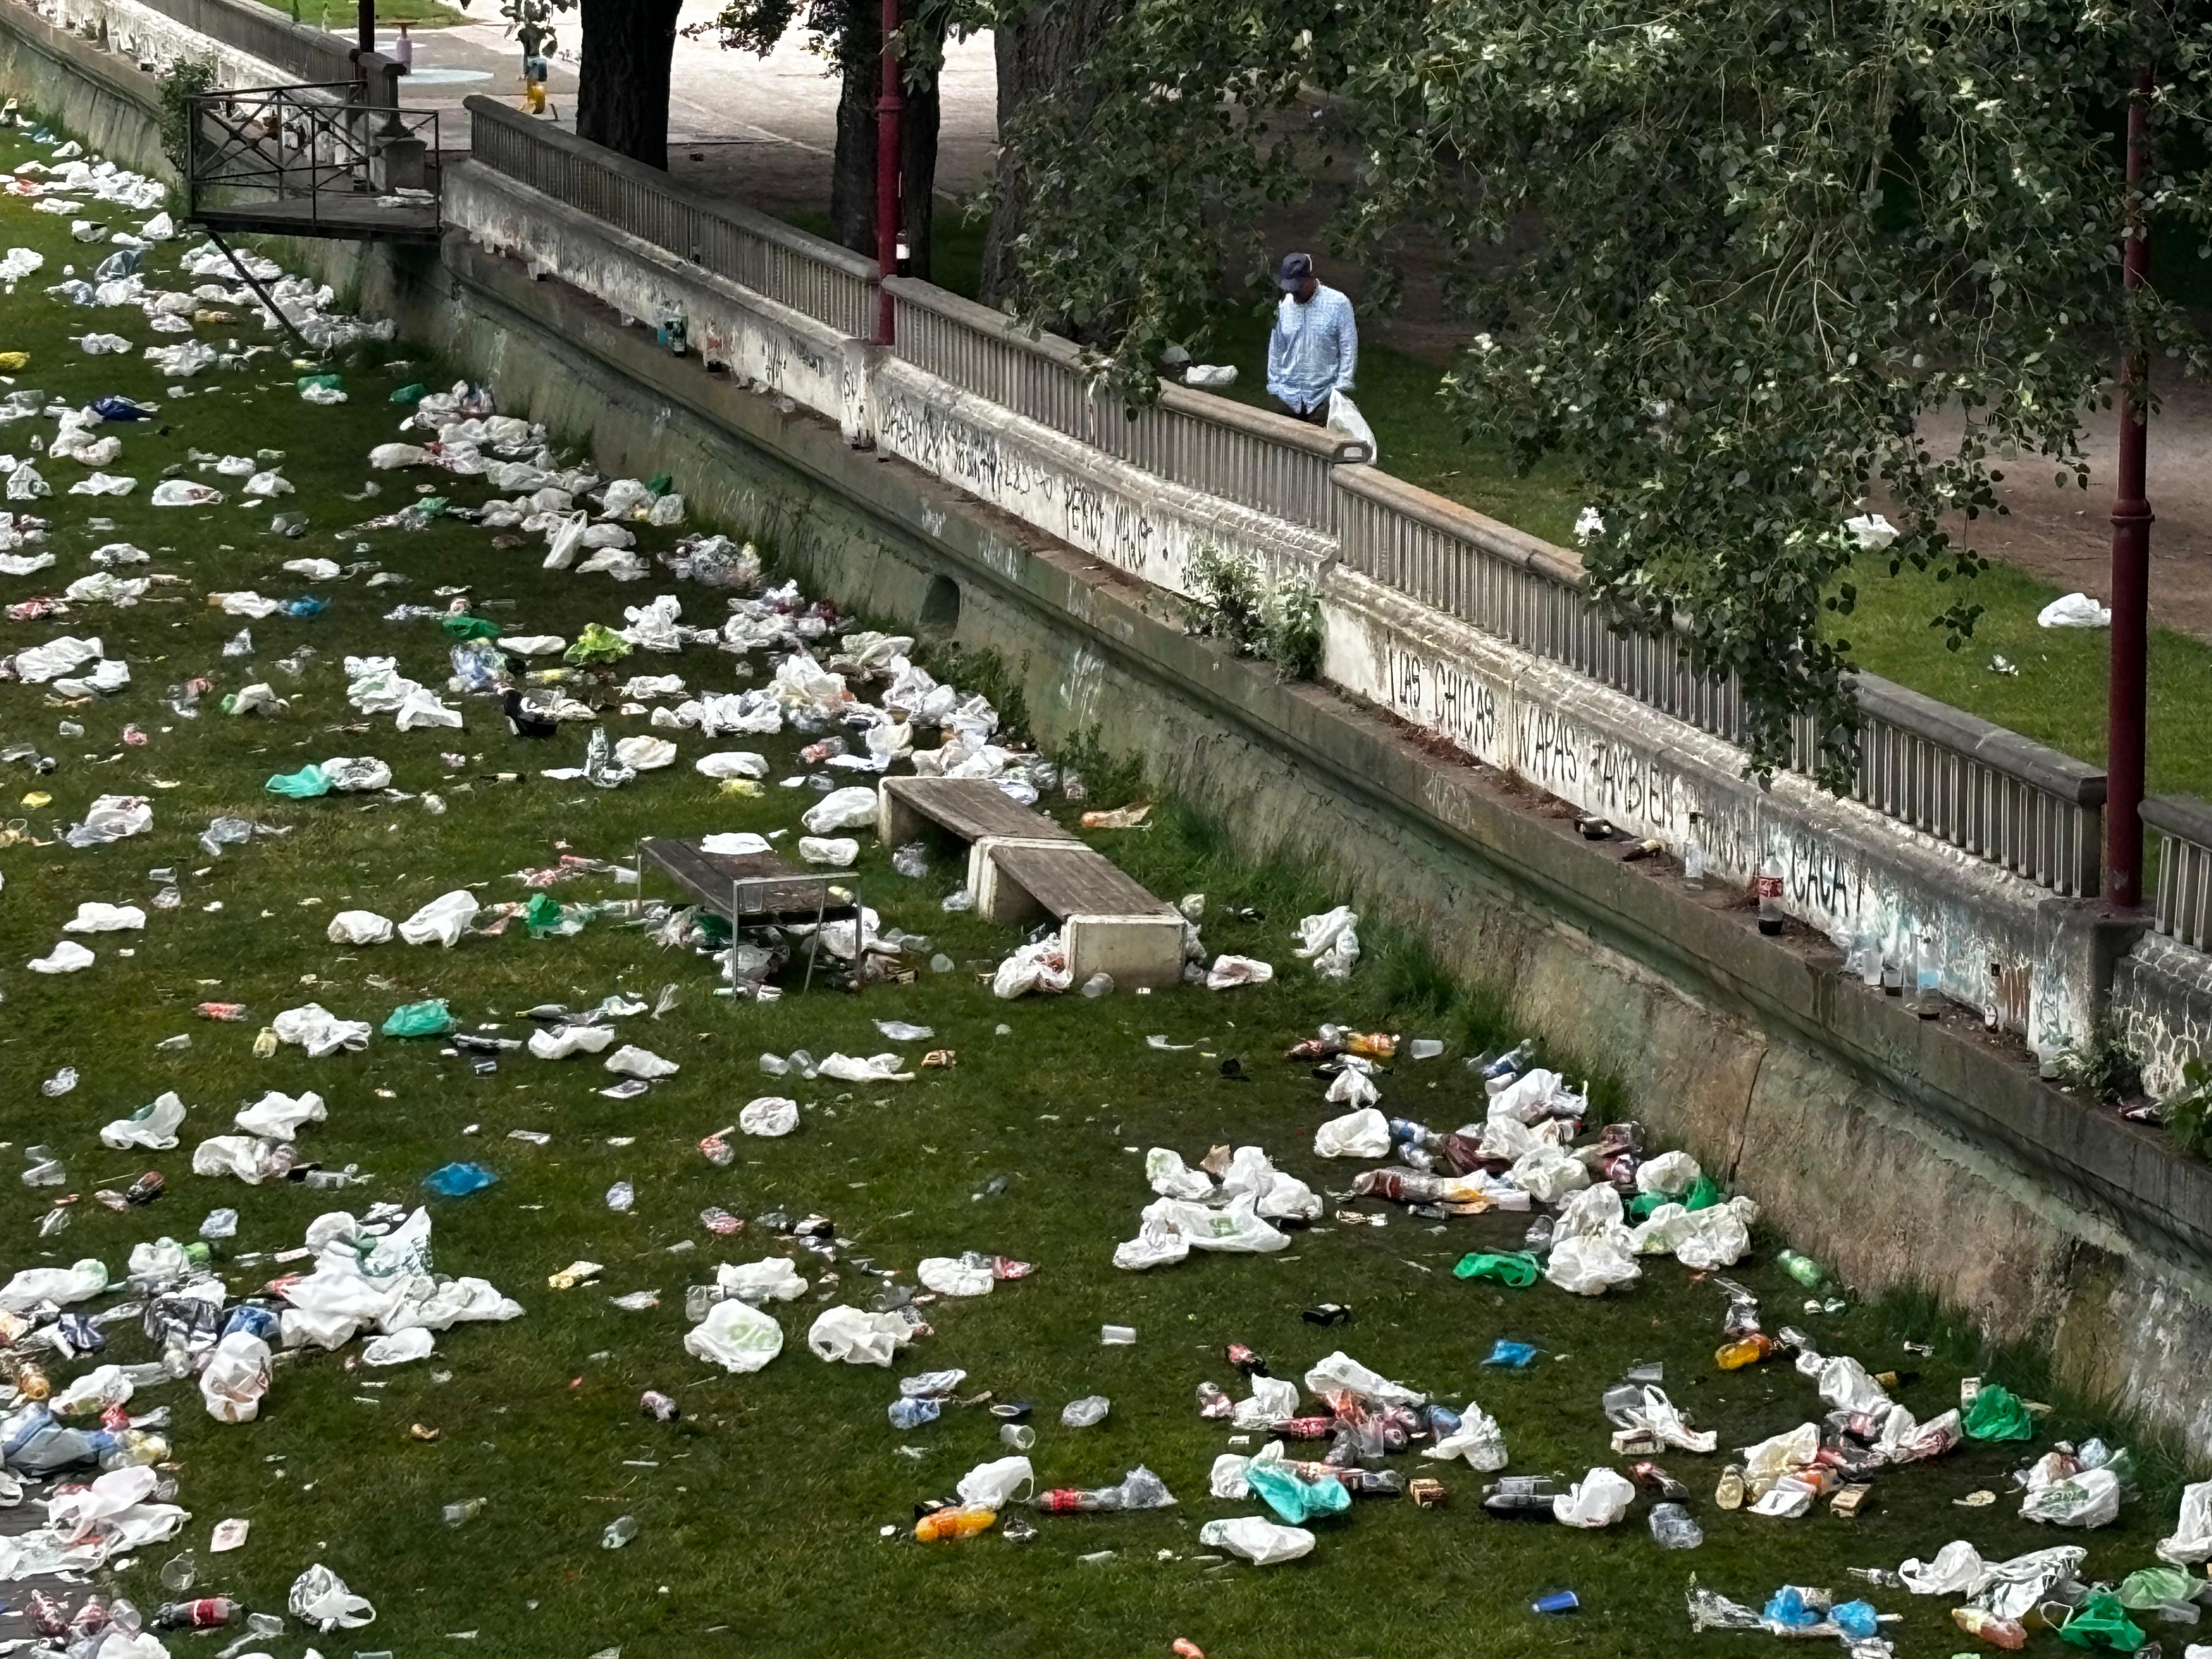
(261, 32)
(306, 149)
(831, 284)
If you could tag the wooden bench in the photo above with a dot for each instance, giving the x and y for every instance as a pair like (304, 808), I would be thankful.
(755, 889)
(1020, 864)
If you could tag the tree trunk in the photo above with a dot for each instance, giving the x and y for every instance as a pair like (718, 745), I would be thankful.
(1039, 56)
(853, 173)
(622, 94)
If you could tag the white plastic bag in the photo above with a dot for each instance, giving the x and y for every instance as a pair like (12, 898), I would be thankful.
(1171, 1177)
(559, 1041)
(1363, 1134)
(2192, 1537)
(320, 1598)
(838, 852)
(949, 1275)
(995, 1484)
(630, 1060)
(876, 1069)
(1670, 1175)
(442, 921)
(400, 1348)
(771, 1115)
(1330, 941)
(1598, 1499)
(67, 957)
(249, 1158)
(60, 1285)
(278, 1117)
(2091, 1498)
(1478, 1439)
(2073, 610)
(359, 928)
(236, 1377)
(1345, 420)
(1227, 972)
(735, 1335)
(153, 1126)
(320, 1032)
(851, 808)
(1257, 1539)
(1235, 1228)
(771, 1278)
(93, 917)
(857, 1338)
(731, 764)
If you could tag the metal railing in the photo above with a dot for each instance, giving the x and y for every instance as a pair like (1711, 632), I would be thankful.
(827, 282)
(261, 32)
(1987, 791)
(1269, 463)
(302, 159)
(2185, 868)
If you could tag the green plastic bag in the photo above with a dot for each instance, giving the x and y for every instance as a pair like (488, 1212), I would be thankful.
(660, 483)
(1705, 1192)
(413, 393)
(597, 643)
(309, 781)
(1996, 1414)
(2101, 1622)
(1641, 1207)
(421, 1020)
(2157, 1587)
(431, 507)
(466, 627)
(1517, 1268)
(1292, 1496)
(546, 917)
(327, 382)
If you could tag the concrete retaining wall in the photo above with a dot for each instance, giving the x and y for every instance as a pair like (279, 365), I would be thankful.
(1902, 1151)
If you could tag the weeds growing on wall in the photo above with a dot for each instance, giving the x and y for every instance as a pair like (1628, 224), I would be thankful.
(2189, 1113)
(1229, 602)
(184, 82)
(2105, 1069)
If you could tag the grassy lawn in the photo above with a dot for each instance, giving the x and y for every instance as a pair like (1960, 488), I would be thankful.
(773, 1516)
(340, 15)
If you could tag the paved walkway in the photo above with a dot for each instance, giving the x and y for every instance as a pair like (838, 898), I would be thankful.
(762, 130)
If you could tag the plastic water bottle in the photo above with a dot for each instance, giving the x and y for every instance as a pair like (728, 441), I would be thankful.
(1928, 978)
(1769, 894)
(1802, 1268)
(618, 1533)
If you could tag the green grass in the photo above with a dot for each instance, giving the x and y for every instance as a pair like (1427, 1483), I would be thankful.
(340, 15)
(763, 1509)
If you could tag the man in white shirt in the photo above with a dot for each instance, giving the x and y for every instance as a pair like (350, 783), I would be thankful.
(1314, 348)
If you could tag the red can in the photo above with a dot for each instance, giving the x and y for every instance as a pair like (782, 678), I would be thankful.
(1304, 1428)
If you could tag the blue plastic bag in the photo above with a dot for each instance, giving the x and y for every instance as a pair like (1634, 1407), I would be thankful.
(458, 1180)
(1293, 1497)
(1517, 1355)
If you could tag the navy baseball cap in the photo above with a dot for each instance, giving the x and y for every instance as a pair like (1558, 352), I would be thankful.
(1296, 267)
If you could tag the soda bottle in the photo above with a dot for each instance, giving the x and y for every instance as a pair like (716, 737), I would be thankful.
(965, 1521)
(1304, 1428)
(210, 1613)
(1769, 894)
(1372, 1045)
(1802, 1268)
(1508, 1065)
(1212, 1401)
(1747, 1350)
(1998, 1632)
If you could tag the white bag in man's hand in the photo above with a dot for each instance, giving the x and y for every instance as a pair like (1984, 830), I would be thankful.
(1347, 422)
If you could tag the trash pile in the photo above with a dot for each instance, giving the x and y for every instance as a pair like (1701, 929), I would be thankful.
(734, 659)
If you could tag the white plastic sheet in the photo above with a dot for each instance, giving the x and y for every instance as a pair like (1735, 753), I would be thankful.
(320, 1598)
(850, 808)
(1227, 972)
(630, 1060)
(771, 1278)
(1257, 1539)
(1339, 1373)
(278, 1117)
(559, 1041)
(359, 928)
(2073, 610)
(995, 1484)
(320, 1032)
(948, 1275)
(2191, 1541)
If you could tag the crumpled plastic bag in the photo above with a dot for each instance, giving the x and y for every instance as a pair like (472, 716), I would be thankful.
(236, 1377)
(559, 1041)
(1330, 941)
(1171, 1177)
(1598, 1499)
(850, 808)
(771, 1278)
(857, 1338)
(153, 1126)
(2091, 1498)
(93, 917)
(2191, 1541)
(771, 1115)
(278, 1117)
(60, 1285)
(1292, 1495)
(421, 710)
(1591, 1249)
(1660, 1416)
(1718, 1235)
(837, 852)
(359, 928)
(995, 1484)
(1548, 1173)
(735, 1335)
(1670, 1175)
(875, 1068)
(249, 1158)
(631, 1061)
(2073, 610)
(67, 957)
(1040, 967)
(1363, 1134)
(1339, 1373)
(443, 919)
(1779, 1454)
(1479, 1439)
(1274, 1400)
(320, 1598)
(1227, 972)
(315, 1028)
(949, 1275)
(1256, 1540)
(1171, 1228)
